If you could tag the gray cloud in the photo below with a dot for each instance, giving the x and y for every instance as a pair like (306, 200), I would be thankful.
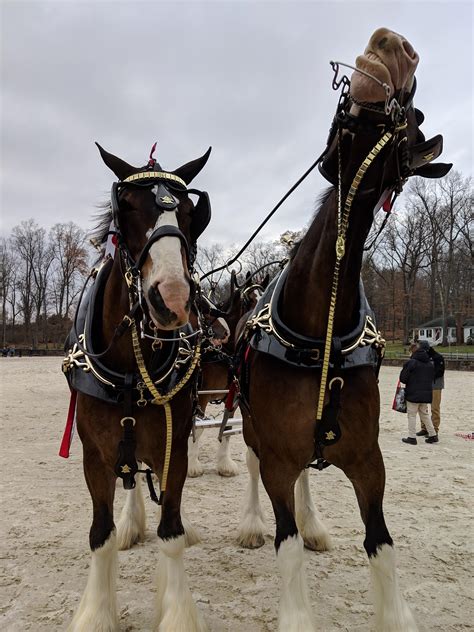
(252, 79)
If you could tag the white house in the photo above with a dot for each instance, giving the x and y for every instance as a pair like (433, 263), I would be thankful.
(432, 331)
(468, 330)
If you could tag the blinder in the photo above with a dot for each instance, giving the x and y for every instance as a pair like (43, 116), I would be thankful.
(201, 214)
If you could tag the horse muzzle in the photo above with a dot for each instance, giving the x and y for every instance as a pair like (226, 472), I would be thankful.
(167, 312)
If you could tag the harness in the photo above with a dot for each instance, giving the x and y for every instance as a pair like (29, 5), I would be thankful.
(174, 358)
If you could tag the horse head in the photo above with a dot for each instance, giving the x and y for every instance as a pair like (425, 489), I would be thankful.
(376, 114)
(158, 226)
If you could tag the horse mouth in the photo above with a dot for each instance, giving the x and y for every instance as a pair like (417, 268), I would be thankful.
(371, 63)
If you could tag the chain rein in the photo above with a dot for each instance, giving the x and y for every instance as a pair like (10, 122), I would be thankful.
(342, 226)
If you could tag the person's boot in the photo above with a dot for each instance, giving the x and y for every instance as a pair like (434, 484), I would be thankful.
(433, 439)
(410, 440)
(422, 433)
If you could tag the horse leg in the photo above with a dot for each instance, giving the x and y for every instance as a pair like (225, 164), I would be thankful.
(132, 522)
(313, 531)
(295, 611)
(392, 613)
(252, 526)
(175, 608)
(226, 466)
(195, 467)
(97, 611)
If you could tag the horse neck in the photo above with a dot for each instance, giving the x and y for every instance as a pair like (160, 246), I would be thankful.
(307, 293)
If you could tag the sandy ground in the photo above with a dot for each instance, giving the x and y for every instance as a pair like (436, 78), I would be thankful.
(45, 520)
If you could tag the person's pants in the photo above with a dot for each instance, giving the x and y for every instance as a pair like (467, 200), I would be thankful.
(422, 409)
(435, 410)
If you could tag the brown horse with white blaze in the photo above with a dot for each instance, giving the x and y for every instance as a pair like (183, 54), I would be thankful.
(309, 373)
(136, 396)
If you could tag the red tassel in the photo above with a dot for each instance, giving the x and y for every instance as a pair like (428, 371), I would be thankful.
(151, 162)
(68, 430)
(387, 205)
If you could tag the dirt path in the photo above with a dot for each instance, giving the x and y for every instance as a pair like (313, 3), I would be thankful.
(45, 520)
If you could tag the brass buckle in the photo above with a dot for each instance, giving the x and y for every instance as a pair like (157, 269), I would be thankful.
(124, 419)
(129, 277)
(142, 402)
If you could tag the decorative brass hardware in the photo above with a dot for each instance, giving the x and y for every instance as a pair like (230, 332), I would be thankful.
(428, 157)
(330, 435)
(155, 175)
(125, 469)
(166, 199)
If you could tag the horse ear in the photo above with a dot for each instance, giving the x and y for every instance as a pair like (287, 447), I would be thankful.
(190, 170)
(121, 168)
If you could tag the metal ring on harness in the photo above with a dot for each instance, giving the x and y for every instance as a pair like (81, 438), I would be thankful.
(124, 419)
(336, 379)
(238, 271)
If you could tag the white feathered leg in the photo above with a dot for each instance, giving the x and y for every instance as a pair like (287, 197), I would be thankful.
(195, 467)
(295, 611)
(314, 533)
(97, 611)
(175, 608)
(252, 526)
(225, 465)
(132, 522)
(392, 613)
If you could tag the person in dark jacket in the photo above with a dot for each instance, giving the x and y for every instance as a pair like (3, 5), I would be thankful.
(418, 374)
(438, 385)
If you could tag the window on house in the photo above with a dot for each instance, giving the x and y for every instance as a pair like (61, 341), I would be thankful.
(422, 332)
(429, 333)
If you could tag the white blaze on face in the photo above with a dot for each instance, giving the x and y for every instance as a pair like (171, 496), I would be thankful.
(164, 270)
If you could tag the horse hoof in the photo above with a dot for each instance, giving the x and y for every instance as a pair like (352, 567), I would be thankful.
(228, 468)
(195, 470)
(318, 543)
(251, 540)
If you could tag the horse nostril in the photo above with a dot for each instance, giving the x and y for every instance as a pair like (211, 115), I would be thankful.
(408, 48)
(158, 304)
(382, 42)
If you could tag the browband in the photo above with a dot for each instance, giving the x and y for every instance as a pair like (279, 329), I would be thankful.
(155, 175)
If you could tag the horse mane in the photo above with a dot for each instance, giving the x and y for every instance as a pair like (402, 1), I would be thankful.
(322, 198)
(102, 219)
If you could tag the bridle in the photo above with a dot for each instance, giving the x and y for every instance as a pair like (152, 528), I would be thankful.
(160, 182)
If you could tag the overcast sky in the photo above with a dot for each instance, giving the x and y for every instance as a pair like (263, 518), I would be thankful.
(252, 79)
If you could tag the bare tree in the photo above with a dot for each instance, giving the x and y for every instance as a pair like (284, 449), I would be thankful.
(406, 245)
(447, 207)
(7, 278)
(70, 265)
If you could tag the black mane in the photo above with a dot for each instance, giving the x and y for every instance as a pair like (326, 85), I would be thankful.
(322, 198)
(98, 235)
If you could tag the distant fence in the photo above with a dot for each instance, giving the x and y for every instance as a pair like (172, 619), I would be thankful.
(453, 361)
(20, 352)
